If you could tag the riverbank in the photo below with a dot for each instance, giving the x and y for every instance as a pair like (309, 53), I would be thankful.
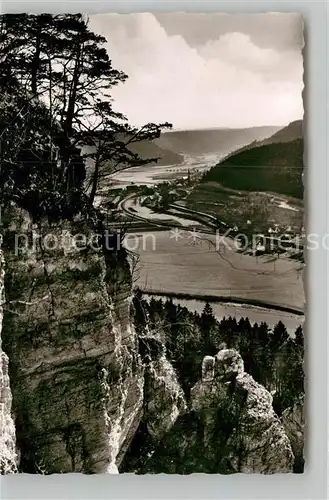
(255, 314)
(236, 301)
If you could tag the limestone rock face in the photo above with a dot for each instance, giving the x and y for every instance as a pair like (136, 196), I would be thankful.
(228, 365)
(257, 442)
(266, 447)
(76, 376)
(164, 404)
(293, 421)
(8, 458)
(164, 398)
(230, 427)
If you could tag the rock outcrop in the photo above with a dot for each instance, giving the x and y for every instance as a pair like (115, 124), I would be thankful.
(76, 376)
(230, 427)
(8, 457)
(164, 403)
(256, 442)
(164, 399)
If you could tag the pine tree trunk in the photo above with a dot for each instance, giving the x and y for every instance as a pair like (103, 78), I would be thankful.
(36, 60)
(68, 125)
(73, 93)
(95, 180)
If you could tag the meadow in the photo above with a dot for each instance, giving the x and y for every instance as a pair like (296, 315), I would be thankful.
(197, 268)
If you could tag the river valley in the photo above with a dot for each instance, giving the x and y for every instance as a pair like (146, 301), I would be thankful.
(192, 262)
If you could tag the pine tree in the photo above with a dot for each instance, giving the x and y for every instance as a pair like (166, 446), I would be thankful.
(62, 66)
(208, 311)
(140, 311)
(280, 335)
(289, 377)
(207, 325)
(299, 337)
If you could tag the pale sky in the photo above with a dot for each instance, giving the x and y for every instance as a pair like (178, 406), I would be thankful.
(200, 70)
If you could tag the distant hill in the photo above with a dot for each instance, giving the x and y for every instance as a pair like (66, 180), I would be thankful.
(150, 149)
(269, 166)
(289, 133)
(221, 141)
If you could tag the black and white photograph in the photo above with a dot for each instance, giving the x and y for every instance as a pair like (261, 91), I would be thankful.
(152, 224)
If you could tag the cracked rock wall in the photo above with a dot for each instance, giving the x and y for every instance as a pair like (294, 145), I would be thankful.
(8, 457)
(76, 376)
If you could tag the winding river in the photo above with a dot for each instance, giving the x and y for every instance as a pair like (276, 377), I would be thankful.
(151, 175)
(254, 313)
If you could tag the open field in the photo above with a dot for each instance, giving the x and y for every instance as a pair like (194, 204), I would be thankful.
(184, 267)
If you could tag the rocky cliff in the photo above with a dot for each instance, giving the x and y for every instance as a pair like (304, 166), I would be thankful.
(254, 439)
(76, 375)
(230, 427)
(8, 457)
(164, 398)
